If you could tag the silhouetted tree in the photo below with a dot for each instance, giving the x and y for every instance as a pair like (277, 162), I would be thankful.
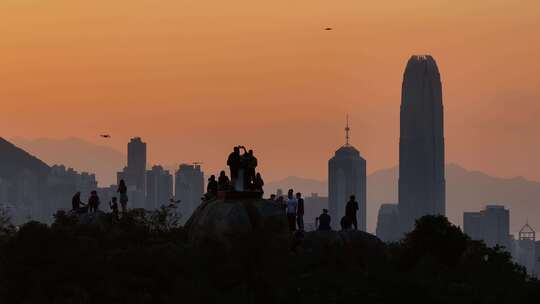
(145, 258)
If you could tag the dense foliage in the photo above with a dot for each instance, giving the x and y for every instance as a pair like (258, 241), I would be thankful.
(140, 259)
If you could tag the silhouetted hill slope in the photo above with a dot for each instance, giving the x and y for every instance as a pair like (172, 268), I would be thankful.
(14, 160)
(78, 154)
(465, 191)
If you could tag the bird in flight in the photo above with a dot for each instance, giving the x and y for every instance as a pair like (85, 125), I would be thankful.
(105, 135)
(328, 28)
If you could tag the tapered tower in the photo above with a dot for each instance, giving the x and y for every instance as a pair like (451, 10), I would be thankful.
(421, 145)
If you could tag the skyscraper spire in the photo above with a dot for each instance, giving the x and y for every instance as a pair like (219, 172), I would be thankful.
(347, 129)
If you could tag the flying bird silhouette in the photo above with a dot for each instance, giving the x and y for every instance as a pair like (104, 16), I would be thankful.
(328, 28)
(105, 135)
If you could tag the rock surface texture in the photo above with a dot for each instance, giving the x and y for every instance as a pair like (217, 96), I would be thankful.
(223, 221)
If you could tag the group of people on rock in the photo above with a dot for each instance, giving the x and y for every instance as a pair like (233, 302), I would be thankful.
(243, 174)
(294, 209)
(93, 201)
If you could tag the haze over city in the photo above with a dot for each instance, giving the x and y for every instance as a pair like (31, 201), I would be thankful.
(194, 77)
(240, 151)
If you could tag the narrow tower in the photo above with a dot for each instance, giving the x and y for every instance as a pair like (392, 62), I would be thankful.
(346, 177)
(421, 145)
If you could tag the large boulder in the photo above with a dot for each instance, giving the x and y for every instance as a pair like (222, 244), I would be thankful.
(222, 221)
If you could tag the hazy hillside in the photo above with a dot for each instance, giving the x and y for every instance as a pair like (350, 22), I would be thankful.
(14, 160)
(465, 191)
(78, 154)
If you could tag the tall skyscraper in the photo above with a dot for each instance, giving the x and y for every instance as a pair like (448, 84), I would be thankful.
(188, 188)
(159, 187)
(346, 177)
(137, 163)
(421, 145)
(134, 174)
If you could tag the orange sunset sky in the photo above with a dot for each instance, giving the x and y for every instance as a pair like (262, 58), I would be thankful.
(195, 77)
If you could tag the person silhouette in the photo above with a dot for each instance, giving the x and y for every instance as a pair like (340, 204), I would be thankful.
(212, 187)
(251, 164)
(113, 204)
(93, 202)
(243, 172)
(122, 189)
(224, 183)
(258, 183)
(292, 207)
(76, 202)
(233, 161)
(323, 221)
(300, 211)
(350, 211)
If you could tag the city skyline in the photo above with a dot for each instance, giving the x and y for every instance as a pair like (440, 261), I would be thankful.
(83, 83)
(269, 151)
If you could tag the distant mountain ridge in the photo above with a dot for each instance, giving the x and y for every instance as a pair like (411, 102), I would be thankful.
(78, 154)
(466, 190)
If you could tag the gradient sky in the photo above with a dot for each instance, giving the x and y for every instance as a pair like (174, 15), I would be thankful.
(194, 77)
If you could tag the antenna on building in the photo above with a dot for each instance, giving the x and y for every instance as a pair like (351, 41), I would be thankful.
(197, 164)
(347, 130)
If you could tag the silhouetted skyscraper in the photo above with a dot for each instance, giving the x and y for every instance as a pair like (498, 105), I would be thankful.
(159, 187)
(134, 174)
(188, 188)
(346, 177)
(137, 162)
(421, 145)
(388, 223)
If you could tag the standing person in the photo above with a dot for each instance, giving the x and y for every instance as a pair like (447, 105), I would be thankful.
(323, 221)
(300, 211)
(113, 204)
(251, 164)
(258, 183)
(212, 187)
(233, 161)
(76, 202)
(292, 207)
(350, 211)
(93, 202)
(122, 189)
(243, 171)
(272, 197)
(224, 183)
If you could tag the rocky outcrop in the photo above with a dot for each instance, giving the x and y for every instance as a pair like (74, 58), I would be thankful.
(223, 221)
